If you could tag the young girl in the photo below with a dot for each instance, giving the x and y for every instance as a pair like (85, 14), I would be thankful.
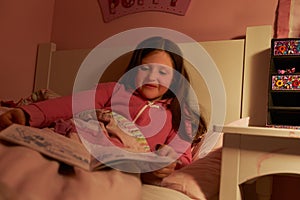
(152, 94)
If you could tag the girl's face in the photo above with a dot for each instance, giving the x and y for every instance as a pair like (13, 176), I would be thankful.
(155, 75)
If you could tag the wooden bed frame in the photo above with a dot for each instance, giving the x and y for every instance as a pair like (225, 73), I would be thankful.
(243, 65)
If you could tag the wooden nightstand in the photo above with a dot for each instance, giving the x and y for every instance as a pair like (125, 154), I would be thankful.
(253, 152)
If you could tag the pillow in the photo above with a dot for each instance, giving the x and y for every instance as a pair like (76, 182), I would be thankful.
(213, 140)
(39, 95)
(201, 179)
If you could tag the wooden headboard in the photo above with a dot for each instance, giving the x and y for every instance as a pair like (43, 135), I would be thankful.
(243, 65)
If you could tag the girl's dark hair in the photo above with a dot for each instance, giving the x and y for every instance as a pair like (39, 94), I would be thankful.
(178, 90)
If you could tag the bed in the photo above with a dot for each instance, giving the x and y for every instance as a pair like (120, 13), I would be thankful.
(243, 67)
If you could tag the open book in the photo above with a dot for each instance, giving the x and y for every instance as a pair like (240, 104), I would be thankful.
(75, 153)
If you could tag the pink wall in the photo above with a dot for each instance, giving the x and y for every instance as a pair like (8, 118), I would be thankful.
(24, 24)
(79, 24)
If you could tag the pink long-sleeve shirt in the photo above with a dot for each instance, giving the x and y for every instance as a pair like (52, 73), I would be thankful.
(153, 118)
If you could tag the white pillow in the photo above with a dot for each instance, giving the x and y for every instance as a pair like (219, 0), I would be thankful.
(213, 140)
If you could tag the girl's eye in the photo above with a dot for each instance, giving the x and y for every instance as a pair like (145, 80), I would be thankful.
(162, 72)
(165, 70)
(144, 68)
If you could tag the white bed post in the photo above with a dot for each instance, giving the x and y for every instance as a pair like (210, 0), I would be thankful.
(256, 74)
(255, 88)
(43, 65)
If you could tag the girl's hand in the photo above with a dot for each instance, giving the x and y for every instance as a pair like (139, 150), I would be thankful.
(156, 176)
(104, 115)
(16, 115)
(129, 143)
(166, 171)
(165, 150)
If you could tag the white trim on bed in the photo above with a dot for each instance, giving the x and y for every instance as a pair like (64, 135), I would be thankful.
(243, 64)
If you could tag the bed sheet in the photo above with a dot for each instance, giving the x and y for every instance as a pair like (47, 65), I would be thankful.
(26, 174)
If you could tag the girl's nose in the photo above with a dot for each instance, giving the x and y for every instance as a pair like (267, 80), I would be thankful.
(152, 75)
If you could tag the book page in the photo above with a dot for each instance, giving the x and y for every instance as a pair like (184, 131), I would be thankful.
(88, 127)
(49, 143)
(124, 160)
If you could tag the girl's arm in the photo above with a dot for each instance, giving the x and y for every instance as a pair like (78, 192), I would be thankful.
(42, 114)
(182, 148)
